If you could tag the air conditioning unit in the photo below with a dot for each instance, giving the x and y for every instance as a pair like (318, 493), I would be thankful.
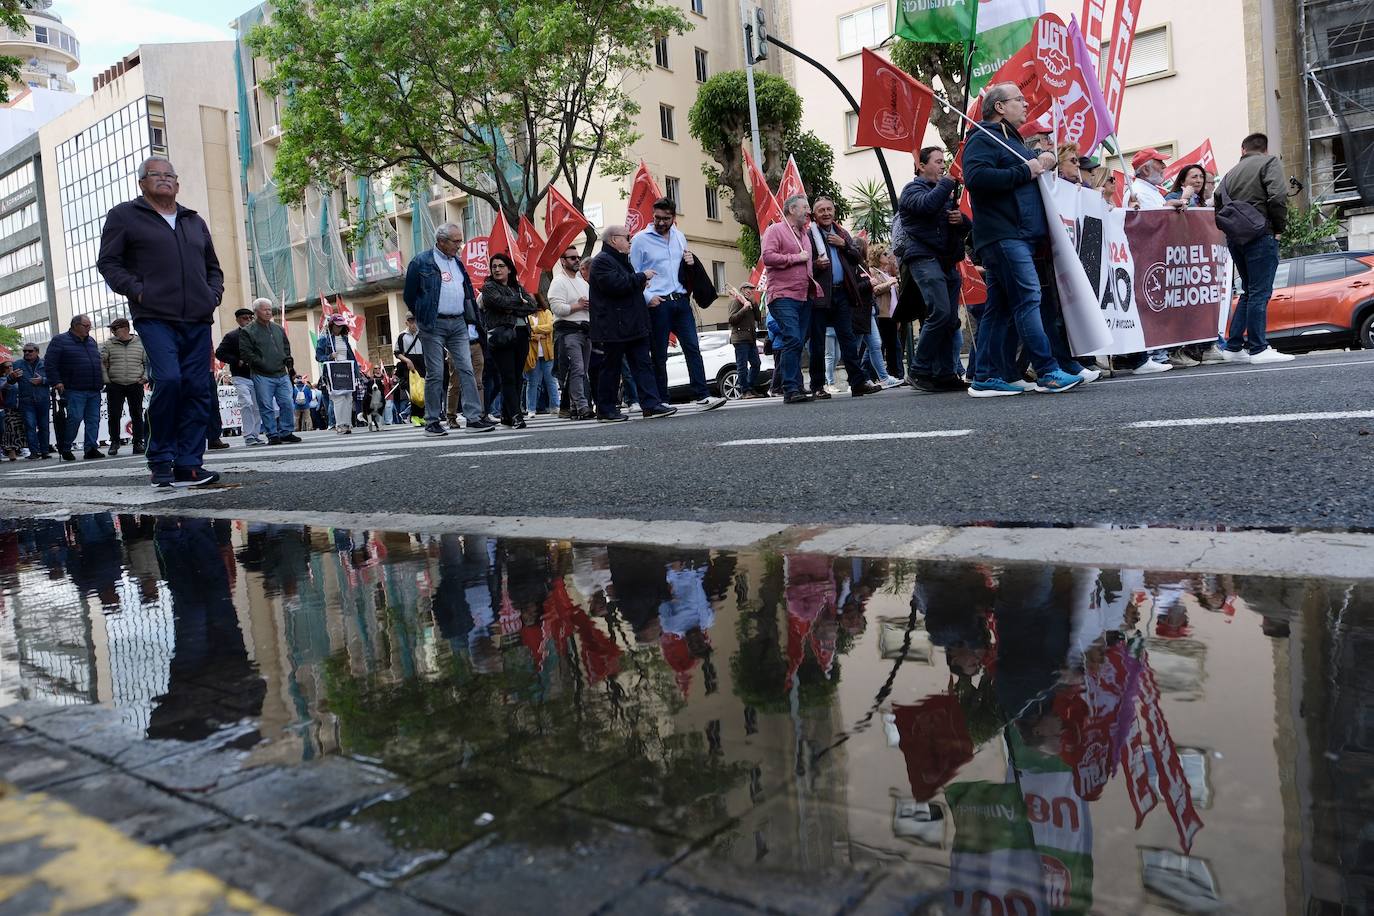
(272, 133)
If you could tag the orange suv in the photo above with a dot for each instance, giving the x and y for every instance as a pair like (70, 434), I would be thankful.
(1323, 300)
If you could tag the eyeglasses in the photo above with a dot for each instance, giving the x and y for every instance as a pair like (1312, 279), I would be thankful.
(171, 175)
(572, 257)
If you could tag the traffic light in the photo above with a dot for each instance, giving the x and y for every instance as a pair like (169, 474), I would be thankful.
(761, 34)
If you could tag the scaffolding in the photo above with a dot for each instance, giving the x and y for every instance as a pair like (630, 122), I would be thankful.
(1338, 98)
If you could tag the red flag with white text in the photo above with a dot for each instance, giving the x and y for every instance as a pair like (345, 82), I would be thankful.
(355, 332)
(643, 192)
(894, 108)
(1119, 55)
(1063, 64)
(476, 259)
(1094, 12)
(791, 184)
(530, 247)
(563, 223)
(502, 239)
(1202, 156)
(766, 209)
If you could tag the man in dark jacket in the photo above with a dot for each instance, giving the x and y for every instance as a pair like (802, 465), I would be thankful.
(34, 402)
(1257, 180)
(935, 231)
(229, 353)
(1009, 227)
(160, 255)
(74, 372)
(621, 327)
(834, 264)
(439, 294)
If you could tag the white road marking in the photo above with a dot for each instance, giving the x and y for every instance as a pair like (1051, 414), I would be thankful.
(297, 466)
(79, 498)
(534, 451)
(1192, 373)
(860, 437)
(1258, 418)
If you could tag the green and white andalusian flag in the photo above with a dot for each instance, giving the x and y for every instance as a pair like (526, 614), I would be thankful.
(1000, 27)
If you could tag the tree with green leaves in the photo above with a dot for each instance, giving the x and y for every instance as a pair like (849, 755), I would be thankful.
(12, 18)
(499, 98)
(9, 338)
(940, 66)
(872, 210)
(719, 120)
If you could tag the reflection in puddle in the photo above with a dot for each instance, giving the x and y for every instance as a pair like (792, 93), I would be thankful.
(1030, 739)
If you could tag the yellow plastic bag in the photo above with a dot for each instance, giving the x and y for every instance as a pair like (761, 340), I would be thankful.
(417, 390)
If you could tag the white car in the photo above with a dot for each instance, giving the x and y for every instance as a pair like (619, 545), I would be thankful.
(718, 358)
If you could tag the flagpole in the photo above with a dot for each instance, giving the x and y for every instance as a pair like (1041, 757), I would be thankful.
(968, 67)
(949, 106)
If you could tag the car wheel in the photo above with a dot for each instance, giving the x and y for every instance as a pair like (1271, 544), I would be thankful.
(1366, 337)
(727, 383)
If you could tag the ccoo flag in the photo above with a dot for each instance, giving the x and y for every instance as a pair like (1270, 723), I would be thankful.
(936, 20)
(766, 209)
(894, 108)
(562, 224)
(791, 184)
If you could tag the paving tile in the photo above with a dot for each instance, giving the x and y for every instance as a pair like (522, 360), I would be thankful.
(219, 762)
(391, 839)
(35, 762)
(693, 798)
(660, 897)
(391, 903)
(551, 855)
(133, 807)
(273, 871)
(27, 710)
(103, 733)
(314, 792)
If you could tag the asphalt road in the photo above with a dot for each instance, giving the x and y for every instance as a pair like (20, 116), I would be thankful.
(1290, 445)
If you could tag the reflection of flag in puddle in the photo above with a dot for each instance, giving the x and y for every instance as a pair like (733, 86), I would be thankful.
(995, 867)
(934, 739)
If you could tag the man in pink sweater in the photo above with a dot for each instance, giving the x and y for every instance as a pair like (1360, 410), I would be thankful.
(791, 289)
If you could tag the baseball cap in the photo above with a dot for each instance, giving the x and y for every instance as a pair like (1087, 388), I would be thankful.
(1032, 128)
(1150, 154)
(1088, 163)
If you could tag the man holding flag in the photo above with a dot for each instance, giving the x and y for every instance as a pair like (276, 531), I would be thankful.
(1009, 229)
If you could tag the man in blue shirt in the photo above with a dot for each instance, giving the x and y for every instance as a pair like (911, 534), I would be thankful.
(664, 251)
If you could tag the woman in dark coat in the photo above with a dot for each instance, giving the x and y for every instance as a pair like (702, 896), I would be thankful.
(506, 308)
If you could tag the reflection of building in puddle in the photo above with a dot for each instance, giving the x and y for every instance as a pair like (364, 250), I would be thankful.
(1185, 882)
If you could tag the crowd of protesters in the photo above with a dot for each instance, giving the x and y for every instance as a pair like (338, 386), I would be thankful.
(597, 339)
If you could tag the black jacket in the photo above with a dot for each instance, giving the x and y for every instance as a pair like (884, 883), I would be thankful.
(169, 275)
(1006, 203)
(924, 206)
(228, 353)
(697, 282)
(74, 363)
(616, 298)
(849, 260)
(505, 305)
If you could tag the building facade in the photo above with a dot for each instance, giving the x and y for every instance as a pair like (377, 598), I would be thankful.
(298, 255)
(173, 100)
(48, 50)
(26, 288)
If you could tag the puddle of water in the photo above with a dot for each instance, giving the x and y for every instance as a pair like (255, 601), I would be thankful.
(1018, 738)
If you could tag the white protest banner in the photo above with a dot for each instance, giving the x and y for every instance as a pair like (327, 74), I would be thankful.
(1077, 298)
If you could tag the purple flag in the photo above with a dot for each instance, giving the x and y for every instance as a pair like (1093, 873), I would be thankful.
(1102, 125)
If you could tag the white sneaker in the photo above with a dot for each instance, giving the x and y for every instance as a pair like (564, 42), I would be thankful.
(1234, 356)
(832, 389)
(1182, 360)
(890, 382)
(1150, 367)
(1089, 375)
(1027, 386)
(1270, 355)
(1213, 355)
(710, 403)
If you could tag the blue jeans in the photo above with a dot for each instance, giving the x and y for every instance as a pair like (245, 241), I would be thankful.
(275, 406)
(675, 316)
(1015, 308)
(541, 375)
(874, 355)
(36, 425)
(940, 289)
(1256, 262)
(451, 334)
(83, 407)
(183, 391)
(793, 317)
(747, 366)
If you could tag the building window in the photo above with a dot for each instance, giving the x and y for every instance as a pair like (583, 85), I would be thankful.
(699, 7)
(22, 298)
(718, 275)
(40, 34)
(1150, 55)
(672, 189)
(665, 122)
(661, 52)
(864, 29)
(851, 129)
(702, 73)
(21, 258)
(712, 203)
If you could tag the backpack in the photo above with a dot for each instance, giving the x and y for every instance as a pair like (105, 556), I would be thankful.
(1239, 219)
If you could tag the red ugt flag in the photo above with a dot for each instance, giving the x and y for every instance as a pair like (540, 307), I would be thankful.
(475, 259)
(530, 247)
(894, 108)
(643, 192)
(1063, 64)
(766, 209)
(562, 224)
(1202, 156)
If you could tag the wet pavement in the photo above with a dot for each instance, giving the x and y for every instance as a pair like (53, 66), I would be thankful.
(334, 720)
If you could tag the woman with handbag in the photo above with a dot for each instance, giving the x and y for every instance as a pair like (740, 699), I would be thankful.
(507, 307)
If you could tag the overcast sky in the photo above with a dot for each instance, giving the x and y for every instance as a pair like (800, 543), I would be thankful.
(109, 29)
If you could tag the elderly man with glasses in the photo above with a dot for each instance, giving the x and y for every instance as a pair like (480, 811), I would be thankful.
(568, 299)
(74, 371)
(160, 255)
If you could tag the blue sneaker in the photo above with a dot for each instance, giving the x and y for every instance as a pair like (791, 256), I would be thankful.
(162, 475)
(993, 388)
(1058, 381)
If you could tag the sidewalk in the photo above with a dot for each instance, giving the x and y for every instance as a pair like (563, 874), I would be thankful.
(94, 817)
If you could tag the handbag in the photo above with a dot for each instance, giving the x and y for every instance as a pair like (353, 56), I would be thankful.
(1240, 220)
(501, 336)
